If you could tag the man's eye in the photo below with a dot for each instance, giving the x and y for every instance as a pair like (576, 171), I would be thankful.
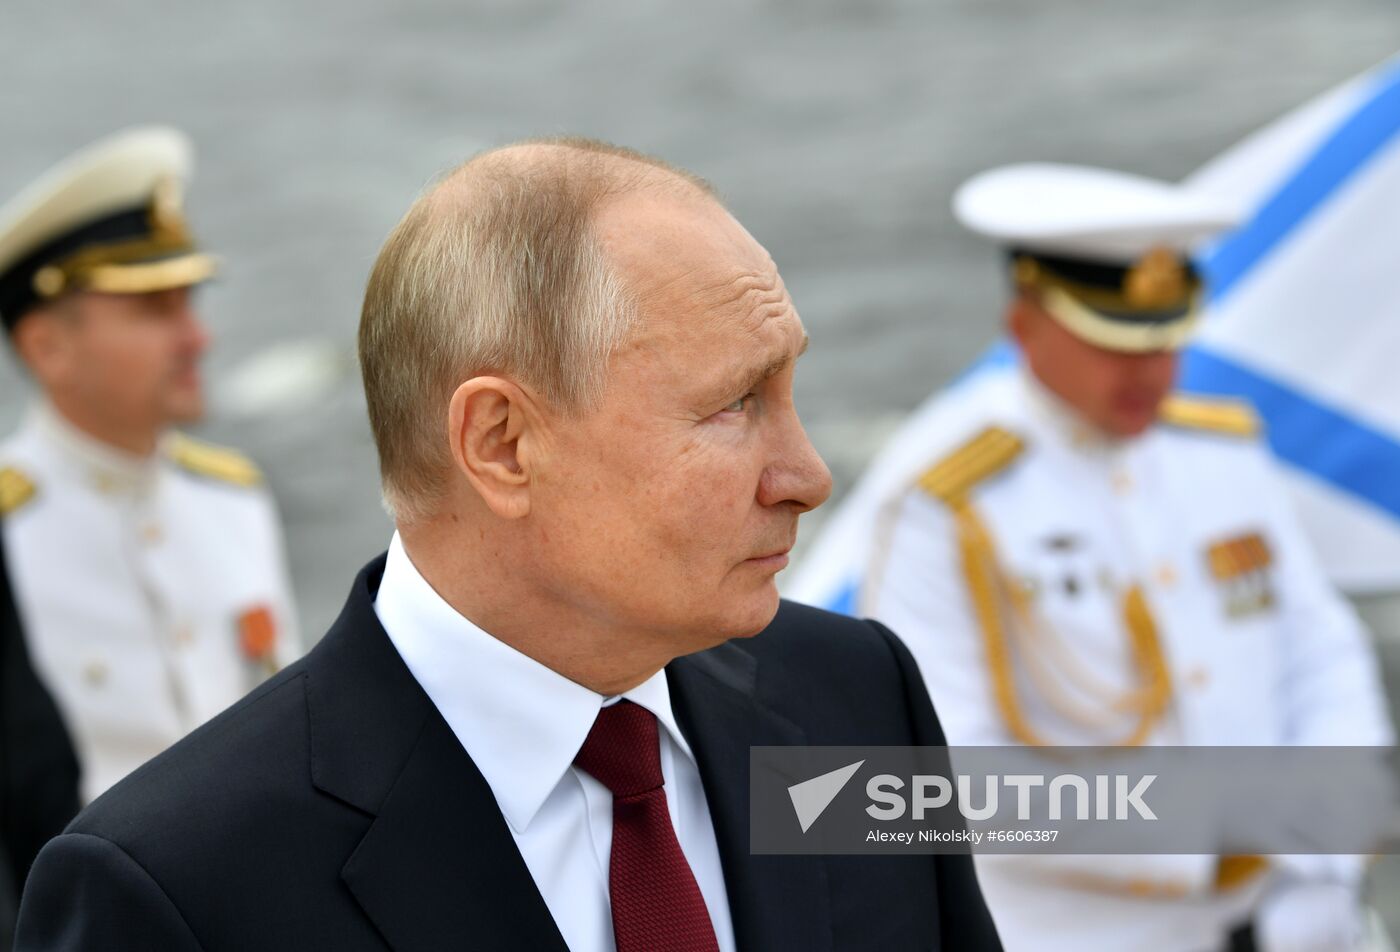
(738, 405)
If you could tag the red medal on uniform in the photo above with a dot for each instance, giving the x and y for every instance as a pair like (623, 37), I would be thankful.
(257, 635)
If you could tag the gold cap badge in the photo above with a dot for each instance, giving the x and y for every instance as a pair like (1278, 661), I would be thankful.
(1157, 280)
(167, 213)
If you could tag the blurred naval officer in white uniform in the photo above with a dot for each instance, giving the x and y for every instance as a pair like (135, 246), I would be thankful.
(1077, 556)
(148, 568)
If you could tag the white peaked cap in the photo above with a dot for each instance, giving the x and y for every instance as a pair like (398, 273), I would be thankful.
(120, 171)
(1080, 211)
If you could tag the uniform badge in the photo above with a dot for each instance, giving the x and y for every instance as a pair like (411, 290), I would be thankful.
(1071, 577)
(167, 217)
(257, 636)
(1241, 566)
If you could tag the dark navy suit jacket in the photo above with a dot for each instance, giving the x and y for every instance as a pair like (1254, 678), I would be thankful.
(334, 808)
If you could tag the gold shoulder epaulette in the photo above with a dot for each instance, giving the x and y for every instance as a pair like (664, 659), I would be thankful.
(215, 462)
(16, 489)
(1233, 417)
(986, 454)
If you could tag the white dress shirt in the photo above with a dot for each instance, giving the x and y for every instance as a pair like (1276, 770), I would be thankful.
(522, 724)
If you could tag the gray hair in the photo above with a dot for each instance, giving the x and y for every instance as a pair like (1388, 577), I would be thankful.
(495, 269)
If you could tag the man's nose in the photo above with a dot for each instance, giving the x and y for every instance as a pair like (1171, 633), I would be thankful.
(797, 475)
(195, 333)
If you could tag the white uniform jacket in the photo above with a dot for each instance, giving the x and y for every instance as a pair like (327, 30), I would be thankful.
(1185, 530)
(153, 592)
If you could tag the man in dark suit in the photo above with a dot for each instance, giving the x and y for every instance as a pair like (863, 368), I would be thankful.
(530, 726)
(38, 767)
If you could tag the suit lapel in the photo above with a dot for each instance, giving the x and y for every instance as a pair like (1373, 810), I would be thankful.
(776, 902)
(437, 867)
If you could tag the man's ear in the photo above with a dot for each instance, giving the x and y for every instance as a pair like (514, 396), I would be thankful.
(489, 418)
(1021, 315)
(39, 341)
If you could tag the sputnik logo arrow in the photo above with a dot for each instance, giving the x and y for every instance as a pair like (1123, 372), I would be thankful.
(810, 798)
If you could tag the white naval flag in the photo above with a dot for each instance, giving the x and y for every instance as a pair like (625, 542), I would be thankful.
(1304, 318)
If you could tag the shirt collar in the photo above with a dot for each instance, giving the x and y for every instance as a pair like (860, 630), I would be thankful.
(105, 467)
(521, 722)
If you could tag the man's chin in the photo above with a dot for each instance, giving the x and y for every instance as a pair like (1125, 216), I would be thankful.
(759, 614)
(1128, 425)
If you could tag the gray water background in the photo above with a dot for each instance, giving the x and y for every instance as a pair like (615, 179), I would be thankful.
(836, 131)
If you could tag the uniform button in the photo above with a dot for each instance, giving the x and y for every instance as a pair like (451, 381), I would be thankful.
(1198, 677)
(1166, 575)
(152, 534)
(95, 673)
(1122, 483)
(184, 636)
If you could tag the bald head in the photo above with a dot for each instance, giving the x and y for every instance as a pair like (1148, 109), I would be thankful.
(592, 166)
(500, 268)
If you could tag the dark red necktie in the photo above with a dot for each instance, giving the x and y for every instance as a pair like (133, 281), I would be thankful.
(656, 903)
